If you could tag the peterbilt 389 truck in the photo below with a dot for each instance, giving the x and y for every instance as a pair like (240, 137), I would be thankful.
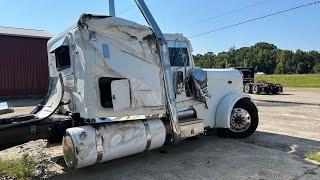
(124, 88)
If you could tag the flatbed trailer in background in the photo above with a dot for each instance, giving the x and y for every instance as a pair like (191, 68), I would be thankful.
(259, 87)
(262, 87)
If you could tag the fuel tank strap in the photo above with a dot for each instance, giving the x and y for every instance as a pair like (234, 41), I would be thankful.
(148, 134)
(99, 144)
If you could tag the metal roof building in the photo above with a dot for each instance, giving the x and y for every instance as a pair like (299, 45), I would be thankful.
(23, 61)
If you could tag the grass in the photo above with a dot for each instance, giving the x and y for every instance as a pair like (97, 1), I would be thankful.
(313, 156)
(292, 80)
(21, 168)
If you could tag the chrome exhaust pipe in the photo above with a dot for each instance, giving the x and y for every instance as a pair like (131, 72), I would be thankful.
(166, 68)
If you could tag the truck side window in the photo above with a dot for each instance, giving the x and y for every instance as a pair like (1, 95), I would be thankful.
(62, 57)
(179, 56)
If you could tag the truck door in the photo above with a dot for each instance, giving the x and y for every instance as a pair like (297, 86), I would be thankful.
(181, 63)
(120, 90)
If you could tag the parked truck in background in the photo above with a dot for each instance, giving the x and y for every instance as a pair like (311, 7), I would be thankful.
(258, 87)
(125, 88)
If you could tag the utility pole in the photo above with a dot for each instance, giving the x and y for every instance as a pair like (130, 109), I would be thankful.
(112, 11)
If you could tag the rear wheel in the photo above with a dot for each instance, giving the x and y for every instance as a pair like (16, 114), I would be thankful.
(256, 89)
(248, 88)
(243, 120)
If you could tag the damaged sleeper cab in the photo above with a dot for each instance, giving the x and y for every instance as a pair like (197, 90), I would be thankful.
(131, 88)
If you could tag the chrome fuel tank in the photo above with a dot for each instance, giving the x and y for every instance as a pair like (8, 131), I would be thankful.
(87, 145)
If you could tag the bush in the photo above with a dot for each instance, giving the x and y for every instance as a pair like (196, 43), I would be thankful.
(21, 168)
(313, 156)
(27, 167)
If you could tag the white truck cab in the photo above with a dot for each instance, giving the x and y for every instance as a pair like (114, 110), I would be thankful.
(134, 88)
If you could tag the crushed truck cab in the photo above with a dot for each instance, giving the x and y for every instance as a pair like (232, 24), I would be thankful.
(131, 88)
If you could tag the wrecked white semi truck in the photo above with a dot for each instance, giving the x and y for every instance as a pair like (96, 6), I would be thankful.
(127, 88)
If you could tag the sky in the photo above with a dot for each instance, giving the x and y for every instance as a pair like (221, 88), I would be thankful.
(298, 29)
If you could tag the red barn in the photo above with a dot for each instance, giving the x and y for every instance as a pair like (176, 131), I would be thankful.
(23, 62)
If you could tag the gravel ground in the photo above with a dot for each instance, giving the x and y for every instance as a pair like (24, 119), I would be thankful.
(295, 95)
(21, 106)
(276, 151)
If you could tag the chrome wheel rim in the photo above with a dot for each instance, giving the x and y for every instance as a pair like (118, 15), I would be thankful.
(240, 120)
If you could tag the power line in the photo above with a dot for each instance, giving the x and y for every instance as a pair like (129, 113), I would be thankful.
(250, 20)
(161, 4)
(132, 7)
(129, 8)
(230, 12)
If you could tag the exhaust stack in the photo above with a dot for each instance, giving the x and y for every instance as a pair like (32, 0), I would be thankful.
(166, 68)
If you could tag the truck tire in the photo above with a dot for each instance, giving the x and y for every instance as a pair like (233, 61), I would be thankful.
(244, 120)
(256, 89)
(248, 88)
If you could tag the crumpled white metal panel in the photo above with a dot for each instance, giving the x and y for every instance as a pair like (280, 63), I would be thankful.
(53, 100)
(132, 55)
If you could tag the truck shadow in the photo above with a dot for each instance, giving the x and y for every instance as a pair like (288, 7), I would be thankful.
(280, 94)
(209, 152)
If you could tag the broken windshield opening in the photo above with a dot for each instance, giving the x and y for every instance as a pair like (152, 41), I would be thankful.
(179, 56)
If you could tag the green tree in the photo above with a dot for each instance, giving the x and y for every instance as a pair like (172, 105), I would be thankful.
(316, 67)
(263, 57)
(204, 61)
(315, 58)
(285, 63)
(304, 62)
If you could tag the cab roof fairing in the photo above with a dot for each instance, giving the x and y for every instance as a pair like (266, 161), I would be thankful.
(112, 28)
(73, 26)
(54, 42)
(134, 39)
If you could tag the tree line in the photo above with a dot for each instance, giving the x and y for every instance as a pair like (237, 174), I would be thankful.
(263, 57)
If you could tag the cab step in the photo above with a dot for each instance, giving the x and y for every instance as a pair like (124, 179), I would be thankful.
(190, 127)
